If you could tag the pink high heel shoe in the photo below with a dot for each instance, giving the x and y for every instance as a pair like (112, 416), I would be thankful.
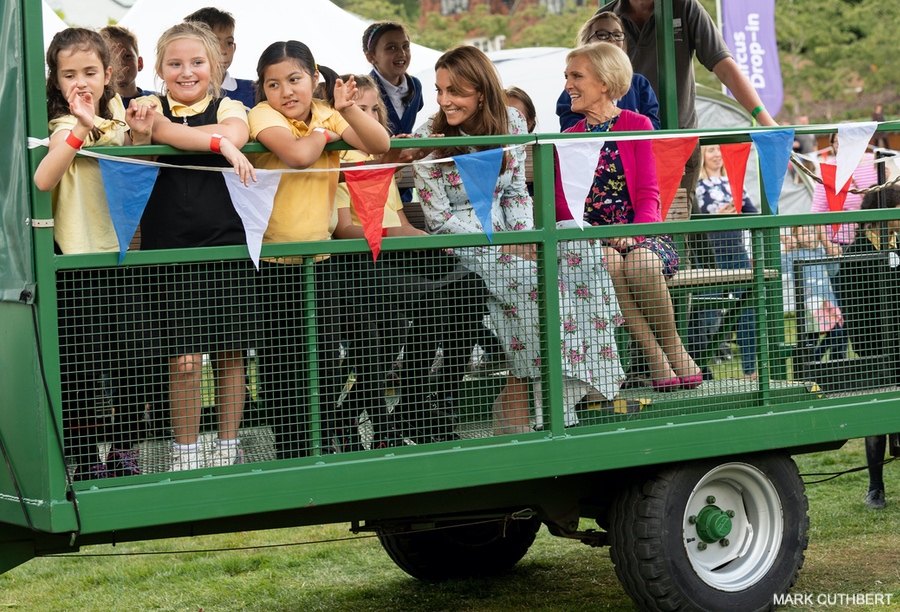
(667, 385)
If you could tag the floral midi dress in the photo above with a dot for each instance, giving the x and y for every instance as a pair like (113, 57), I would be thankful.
(589, 312)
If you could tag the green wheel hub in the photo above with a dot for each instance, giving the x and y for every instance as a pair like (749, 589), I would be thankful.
(713, 524)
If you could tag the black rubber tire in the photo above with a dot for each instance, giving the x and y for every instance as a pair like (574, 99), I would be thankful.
(649, 540)
(458, 549)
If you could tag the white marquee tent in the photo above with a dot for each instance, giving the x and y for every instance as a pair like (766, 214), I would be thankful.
(52, 23)
(333, 35)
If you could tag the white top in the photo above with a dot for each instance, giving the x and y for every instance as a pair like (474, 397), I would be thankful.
(395, 94)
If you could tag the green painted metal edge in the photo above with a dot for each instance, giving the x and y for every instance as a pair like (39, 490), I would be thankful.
(530, 457)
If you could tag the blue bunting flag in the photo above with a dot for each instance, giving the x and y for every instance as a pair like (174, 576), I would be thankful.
(774, 149)
(128, 188)
(479, 172)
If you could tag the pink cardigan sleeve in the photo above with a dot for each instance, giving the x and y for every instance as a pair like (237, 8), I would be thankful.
(640, 170)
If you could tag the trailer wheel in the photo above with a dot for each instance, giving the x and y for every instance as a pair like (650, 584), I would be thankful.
(711, 534)
(459, 549)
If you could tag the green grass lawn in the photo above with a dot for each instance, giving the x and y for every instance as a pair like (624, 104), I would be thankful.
(852, 550)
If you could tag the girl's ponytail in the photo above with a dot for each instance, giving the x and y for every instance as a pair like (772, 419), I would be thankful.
(331, 78)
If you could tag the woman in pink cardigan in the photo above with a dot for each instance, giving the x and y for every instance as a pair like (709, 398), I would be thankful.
(625, 190)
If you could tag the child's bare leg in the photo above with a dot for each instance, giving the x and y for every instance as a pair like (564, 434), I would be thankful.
(230, 392)
(185, 398)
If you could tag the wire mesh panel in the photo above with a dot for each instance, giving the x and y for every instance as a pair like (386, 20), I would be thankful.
(189, 366)
(199, 365)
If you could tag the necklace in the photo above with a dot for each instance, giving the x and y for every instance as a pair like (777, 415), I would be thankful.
(600, 127)
(605, 125)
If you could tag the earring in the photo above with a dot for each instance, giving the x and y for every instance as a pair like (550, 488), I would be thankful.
(480, 104)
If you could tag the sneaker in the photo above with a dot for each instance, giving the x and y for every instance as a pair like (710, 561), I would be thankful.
(122, 463)
(183, 459)
(875, 499)
(220, 456)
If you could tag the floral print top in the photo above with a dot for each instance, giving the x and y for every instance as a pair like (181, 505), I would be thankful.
(446, 205)
(609, 203)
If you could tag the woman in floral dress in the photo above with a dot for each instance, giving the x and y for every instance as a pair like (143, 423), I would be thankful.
(472, 102)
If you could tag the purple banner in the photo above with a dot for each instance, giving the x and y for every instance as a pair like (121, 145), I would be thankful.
(749, 29)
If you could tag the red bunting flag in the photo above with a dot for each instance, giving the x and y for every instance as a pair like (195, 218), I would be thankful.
(735, 158)
(368, 192)
(671, 155)
(835, 199)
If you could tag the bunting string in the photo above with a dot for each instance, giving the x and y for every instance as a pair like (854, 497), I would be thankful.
(34, 143)
(479, 172)
(797, 160)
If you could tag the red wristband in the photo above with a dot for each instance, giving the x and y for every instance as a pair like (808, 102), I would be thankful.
(324, 133)
(384, 232)
(215, 143)
(73, 141)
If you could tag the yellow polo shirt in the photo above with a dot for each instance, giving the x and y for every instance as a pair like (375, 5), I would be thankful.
(305, 200)
(81, 221)
(227, 107)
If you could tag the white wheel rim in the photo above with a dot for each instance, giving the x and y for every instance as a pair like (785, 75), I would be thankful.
(754, 541)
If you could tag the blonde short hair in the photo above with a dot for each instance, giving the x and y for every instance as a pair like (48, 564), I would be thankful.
(610, 65)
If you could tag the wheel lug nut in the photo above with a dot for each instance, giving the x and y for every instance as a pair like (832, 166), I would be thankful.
(730, 513)
(701, 545)
(711, 499)
(692, 519)
(724, 542)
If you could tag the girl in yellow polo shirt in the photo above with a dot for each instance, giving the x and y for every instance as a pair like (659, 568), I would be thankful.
(295, 128)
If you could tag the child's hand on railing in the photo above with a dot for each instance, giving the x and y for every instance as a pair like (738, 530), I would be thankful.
(240, 163)
(139, 118)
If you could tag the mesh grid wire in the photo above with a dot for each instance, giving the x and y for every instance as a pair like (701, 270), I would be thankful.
(845, 313)
(340, 355)
(330, 356)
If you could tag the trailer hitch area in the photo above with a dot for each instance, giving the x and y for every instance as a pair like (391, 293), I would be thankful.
(567, 527)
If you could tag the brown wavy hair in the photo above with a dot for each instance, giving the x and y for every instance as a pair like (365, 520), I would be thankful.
(75, 39)
(471, 71)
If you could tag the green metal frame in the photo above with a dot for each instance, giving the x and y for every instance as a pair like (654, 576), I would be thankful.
(496, 472)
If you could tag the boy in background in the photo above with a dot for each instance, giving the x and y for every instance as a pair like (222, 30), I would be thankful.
(127, 62)
(222, 25)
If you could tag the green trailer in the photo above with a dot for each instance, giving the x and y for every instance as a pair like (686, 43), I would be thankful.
(695, 491)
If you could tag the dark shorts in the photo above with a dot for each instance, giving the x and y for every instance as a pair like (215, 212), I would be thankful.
(664, 248)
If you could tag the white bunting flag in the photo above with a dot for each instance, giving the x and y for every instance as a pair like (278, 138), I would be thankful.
(577, 163)
(254, 205)
(853, 138)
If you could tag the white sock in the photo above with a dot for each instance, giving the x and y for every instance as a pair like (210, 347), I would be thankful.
(537, 391)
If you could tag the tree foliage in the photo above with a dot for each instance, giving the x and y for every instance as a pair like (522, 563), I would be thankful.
(835, 54)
